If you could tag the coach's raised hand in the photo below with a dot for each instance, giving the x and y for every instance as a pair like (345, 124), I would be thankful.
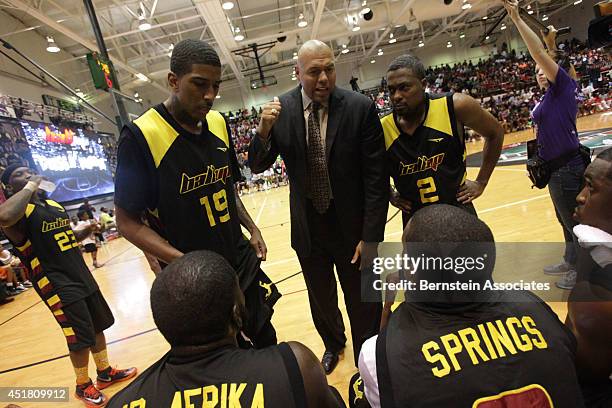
(270, 113)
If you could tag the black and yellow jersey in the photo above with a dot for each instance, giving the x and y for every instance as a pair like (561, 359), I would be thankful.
(190, 184)
(428, 166)
(52, 256)
(225, 377)
(512, 351)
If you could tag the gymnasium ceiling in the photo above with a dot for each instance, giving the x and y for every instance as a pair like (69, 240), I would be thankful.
(135, 51)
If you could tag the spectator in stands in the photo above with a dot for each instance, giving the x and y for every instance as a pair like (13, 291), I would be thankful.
(198, 307)
(557, 138)
(106, 220)
(354, 85)
(88, 208)
(16, 279)
(442, 342)
(89, 243)
(590, 302)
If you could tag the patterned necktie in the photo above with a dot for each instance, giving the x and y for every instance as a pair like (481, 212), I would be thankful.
(318, 180)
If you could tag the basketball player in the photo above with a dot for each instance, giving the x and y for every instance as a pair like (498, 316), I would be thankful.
(89, 242)
(198, 307)
(480, 348)
(176, 163)
(590, 301)
(425, 141)
(39, 229)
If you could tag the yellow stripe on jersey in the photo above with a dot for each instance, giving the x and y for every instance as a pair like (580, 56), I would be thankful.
(438, 117)
(35, 262)
(53, 300)
(55, 204)
(43, 282)
(216, 124)
(29, 209)
(25, 246)
(68, 331)
(390, 130)
(58, 312)
(158, 133)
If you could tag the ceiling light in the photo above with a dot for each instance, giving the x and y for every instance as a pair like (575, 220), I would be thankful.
(80, 93)
(364, 8)
(503, 27)
(239, 37)
(487, 37)
(356, 28)
(421, 44)
(295, 57)
(449, 45)
(529, 7)
(392, 41)
(466, 6)
(52, 46)
(372, 61)
(136, 95)
(143, 25)
(218, 97)
(227, 5)
(380, 52)
(462, 35)
(577, 2)
(343, 45)
(485, 17)
(293, 78)
(544, 17)
(346, 51)
(302, 21)
(142, 77)
(530, 12)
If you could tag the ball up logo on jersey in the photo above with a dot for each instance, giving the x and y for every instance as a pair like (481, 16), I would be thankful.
(57, 224)
(210, 176)
(423, 163)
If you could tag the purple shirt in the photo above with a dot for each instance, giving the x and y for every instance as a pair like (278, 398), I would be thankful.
(555, 118)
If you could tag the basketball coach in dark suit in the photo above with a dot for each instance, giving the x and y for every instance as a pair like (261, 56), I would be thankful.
(332, 144)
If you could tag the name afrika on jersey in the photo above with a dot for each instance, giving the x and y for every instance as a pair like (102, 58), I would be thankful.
(423, 163)
(223, 395)
(212, 175)
(59, 223)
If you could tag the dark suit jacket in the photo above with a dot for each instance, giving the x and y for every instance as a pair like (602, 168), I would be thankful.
(355, 150)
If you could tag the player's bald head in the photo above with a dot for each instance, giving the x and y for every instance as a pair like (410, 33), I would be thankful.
(313, 49)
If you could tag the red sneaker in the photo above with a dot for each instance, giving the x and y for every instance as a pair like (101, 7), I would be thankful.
(90, 395)
(112, 375)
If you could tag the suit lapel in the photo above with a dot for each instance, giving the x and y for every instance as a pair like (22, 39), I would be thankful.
(335, 111)
(298, 123)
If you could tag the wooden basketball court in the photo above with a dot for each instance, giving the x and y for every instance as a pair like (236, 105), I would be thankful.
(33, 349)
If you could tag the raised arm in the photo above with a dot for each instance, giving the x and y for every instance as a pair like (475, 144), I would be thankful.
(262, 149)
(532, 41)
(13, 209)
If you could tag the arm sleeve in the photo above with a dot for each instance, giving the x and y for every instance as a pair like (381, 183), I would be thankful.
(564, 84)
(375, 177)
(367, 370)
(135, 186)
(262, 155)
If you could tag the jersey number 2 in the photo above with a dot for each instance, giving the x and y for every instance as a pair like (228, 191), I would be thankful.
(427, 186)
(220, 201)
(65, 240)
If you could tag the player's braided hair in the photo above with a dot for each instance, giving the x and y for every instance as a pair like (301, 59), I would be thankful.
(189, 52)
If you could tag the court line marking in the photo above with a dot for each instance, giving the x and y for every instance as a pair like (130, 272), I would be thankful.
(40, 301)
(519, 170)
(490, 209)
(261, 210)
(48, 360)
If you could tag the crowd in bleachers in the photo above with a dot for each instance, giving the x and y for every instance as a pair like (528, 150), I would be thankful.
(505, 83)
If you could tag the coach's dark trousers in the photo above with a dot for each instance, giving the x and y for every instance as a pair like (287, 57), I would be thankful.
(329, 248)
